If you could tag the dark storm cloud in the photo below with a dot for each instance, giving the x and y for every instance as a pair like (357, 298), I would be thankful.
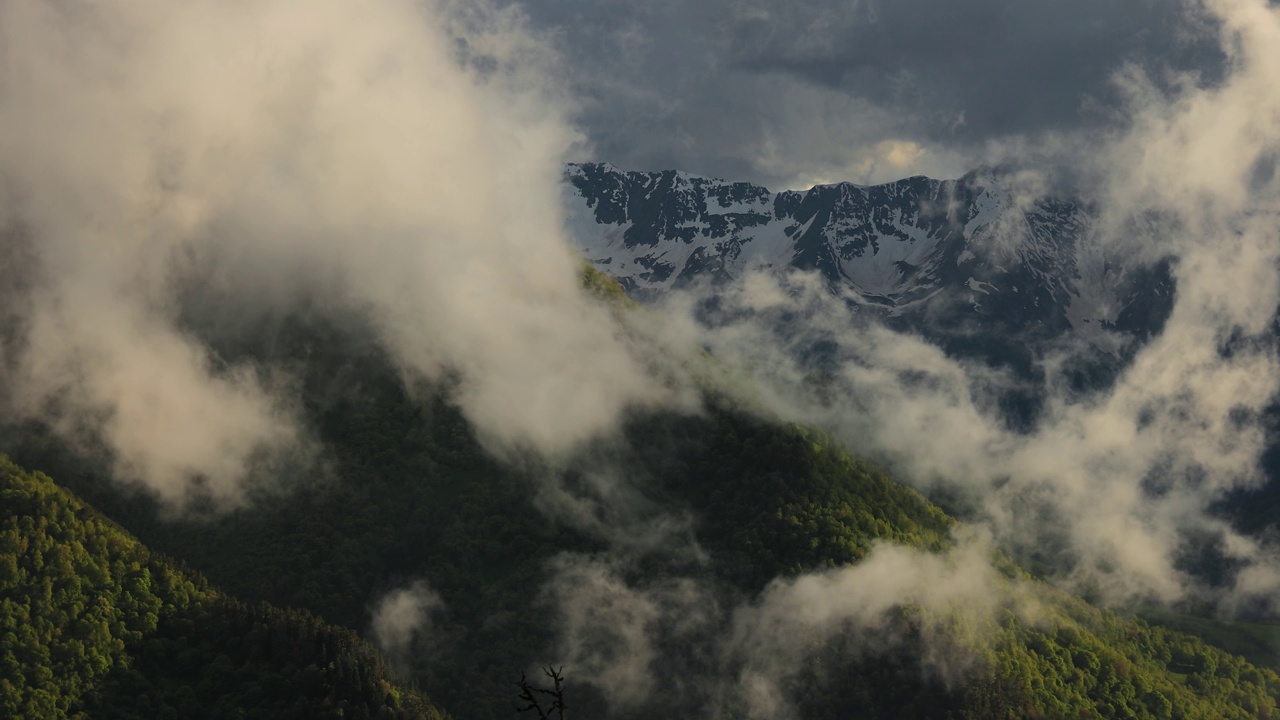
(783, 91)
(1010, 66)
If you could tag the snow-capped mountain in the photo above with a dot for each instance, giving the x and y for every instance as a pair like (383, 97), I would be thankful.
(957, 255)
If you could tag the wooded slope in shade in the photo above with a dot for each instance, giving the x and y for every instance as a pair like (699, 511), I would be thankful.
(92, 624)
(777, 501)
(99, 625)
(771, 501)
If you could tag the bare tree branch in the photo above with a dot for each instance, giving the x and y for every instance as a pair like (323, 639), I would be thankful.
(529, 693)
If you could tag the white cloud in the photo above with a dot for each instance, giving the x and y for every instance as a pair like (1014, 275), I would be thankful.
(404, 616)
(400, 158)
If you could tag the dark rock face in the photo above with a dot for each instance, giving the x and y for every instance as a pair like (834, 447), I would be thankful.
(963, 262)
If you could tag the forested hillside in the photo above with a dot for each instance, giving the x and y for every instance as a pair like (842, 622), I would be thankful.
(94, 625)
(787, 503)
(723, 500)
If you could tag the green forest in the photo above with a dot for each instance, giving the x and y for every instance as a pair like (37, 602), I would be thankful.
(96, 625)
(113, 607)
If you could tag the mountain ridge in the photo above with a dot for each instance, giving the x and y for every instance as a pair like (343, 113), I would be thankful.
(957, 251)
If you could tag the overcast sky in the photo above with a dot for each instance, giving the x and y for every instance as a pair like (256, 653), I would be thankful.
(803, 91)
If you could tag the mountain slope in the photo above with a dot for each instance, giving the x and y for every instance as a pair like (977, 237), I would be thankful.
(724, 508)
(95, 625)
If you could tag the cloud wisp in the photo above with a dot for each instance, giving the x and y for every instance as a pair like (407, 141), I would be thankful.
(678, 646)
(400, 158)
(405, 616)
